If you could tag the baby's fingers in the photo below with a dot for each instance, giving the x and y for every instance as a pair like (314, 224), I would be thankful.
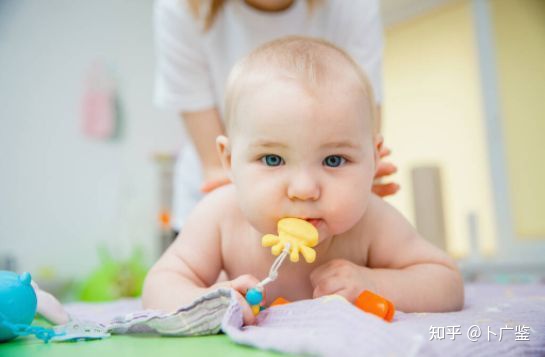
(243, 283)
(248, 316)
(327, 287)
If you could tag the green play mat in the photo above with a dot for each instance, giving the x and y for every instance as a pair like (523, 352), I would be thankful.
(132, 345)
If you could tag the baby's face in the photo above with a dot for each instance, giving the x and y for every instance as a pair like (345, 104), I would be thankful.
(299, 155)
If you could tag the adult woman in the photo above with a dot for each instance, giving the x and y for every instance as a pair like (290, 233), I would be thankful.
(198, 43)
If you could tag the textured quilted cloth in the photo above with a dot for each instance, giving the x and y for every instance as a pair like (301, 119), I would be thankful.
(332, 327)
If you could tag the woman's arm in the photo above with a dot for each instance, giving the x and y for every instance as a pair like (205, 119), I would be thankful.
(183, 80)
(203, 127)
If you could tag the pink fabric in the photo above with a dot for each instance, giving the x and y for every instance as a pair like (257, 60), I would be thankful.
(334, 328)
(98, 106)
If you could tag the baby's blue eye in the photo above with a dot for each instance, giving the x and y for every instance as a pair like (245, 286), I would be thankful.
(334, 161)
(272, 160)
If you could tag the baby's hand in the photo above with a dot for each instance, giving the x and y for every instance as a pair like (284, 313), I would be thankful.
(241, 284)
(341, 277)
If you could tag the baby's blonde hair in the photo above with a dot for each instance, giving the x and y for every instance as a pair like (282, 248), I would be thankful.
(311, 62)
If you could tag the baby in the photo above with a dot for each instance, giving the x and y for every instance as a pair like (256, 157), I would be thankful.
(302, 142)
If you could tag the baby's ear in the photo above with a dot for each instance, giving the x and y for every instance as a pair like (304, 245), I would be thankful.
(224, 150)
(378, 140)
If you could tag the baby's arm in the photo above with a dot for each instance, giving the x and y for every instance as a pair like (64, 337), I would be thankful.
(190, 266)
(408, 270)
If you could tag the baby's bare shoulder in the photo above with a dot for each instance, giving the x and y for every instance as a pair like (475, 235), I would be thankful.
(357, 243)
(380, 214)
(395, 243)
(221, 206)
(218, 202)
(197, 251)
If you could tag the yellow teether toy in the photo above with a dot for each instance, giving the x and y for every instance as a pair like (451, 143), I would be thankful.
(294, 235)
(301, 236)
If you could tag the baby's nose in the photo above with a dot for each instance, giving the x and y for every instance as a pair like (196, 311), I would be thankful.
(303, 186)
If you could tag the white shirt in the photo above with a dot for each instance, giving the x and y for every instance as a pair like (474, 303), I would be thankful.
(193, 65)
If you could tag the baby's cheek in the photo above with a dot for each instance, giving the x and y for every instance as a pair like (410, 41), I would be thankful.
(258, 201)
(260, 221)
(346, 209)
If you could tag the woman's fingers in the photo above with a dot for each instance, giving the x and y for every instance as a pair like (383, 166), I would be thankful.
(387, 189)
(211, 185)
(385, 169)
(384, 151)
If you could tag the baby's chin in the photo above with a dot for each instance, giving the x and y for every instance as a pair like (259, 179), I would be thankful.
(323, 236)
(324, 231)
(327, 231)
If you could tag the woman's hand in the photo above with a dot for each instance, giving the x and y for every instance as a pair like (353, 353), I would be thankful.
(214, 177)
(384, 169)
(203, 128)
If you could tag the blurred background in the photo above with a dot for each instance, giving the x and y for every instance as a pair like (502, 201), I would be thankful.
(463, 111)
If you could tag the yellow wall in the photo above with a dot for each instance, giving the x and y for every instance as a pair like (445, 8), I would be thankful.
(519, 31)
(433, 115)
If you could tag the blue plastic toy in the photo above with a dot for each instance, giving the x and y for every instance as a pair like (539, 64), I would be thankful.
(254, 296)
(18, 305)
(17, 302)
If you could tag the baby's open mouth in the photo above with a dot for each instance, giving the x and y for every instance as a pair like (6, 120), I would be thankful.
(314, 221)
